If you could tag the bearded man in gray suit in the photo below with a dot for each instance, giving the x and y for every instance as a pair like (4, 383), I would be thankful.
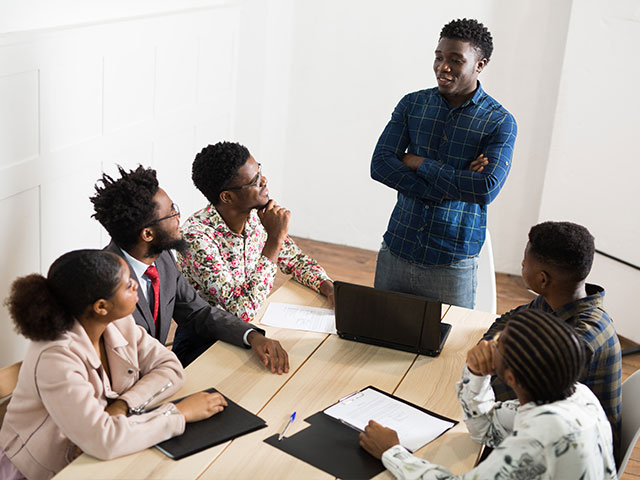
(144, 225)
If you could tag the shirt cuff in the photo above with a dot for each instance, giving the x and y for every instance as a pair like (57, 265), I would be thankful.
(246, 336)
(404, 465)
(395, 453)
(476, 382)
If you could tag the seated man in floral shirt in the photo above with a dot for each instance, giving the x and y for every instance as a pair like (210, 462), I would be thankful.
(237, 242)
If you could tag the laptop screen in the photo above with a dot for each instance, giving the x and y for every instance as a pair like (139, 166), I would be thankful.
(392, 319)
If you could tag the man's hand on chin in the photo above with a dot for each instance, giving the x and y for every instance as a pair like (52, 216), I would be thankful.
(270, 352)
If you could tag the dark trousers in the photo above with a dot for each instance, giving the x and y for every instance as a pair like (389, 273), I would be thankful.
(188, 346)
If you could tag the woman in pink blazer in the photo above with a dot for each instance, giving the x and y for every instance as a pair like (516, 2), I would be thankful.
(90, 374)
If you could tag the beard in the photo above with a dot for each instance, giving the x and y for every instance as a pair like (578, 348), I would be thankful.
(163, 241)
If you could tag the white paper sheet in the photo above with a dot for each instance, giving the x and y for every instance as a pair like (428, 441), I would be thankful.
(298, 317)
(415, 428)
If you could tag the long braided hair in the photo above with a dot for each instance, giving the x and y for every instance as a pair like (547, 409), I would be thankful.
(545, 355)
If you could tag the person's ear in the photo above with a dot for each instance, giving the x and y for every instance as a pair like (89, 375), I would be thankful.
(146, 235)
(226, 197)
(101, 307)
(544, 279)
(480, 64)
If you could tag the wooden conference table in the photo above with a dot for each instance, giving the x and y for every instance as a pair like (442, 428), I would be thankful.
(323, 368)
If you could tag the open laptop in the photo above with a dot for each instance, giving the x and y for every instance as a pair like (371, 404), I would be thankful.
(389, 319)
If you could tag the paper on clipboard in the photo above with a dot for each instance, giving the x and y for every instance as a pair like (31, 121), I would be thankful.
(298, 317)
(415, 427)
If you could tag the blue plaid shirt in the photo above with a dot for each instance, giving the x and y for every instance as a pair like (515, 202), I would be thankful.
(441, 215)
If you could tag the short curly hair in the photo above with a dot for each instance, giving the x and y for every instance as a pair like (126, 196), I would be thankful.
(470, 31)
(216, 166)
(44, 308)
(566, 246)
(124, 206)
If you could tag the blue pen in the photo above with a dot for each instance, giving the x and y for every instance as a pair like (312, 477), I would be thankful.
(293, 416)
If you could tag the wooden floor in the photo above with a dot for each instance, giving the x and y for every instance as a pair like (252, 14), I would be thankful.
(356, 265)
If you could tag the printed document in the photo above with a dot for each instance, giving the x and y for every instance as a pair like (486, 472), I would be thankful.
(415, 427)
(298, 317)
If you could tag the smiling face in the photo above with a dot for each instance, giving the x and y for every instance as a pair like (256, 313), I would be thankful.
(254, 192)
(457, 65)
(166, 230)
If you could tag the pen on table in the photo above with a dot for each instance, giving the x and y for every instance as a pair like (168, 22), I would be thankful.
(351, 426)
(293, 416)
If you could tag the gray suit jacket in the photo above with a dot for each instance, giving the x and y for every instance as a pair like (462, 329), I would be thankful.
(179, 300)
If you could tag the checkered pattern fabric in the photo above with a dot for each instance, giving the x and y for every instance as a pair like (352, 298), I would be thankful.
(604, 373)
(440, 216)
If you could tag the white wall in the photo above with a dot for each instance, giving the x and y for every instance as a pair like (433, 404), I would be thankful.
(593, 162)
(76, 100)
(349, 64)
(307, 86)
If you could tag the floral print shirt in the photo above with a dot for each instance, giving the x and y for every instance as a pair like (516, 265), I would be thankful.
(230, 271)
(568, 439)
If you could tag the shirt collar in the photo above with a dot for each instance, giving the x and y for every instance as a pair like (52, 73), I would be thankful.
(594, 299)
(477, 97)
(218, 223)
(138, 267)
(113, 338)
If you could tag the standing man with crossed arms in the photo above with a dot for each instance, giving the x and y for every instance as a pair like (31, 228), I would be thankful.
(447, 151)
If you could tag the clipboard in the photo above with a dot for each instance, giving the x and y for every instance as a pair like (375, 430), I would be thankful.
(333, 446)
(234, 421)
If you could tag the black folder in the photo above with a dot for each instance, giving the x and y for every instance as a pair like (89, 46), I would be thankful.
(333, 447)
(234, 421)
(329, 446)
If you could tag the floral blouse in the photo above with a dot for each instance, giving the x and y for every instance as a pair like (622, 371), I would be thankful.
(229, 270)
(568, 439)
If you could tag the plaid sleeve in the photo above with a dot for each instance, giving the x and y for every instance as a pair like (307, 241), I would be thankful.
(604, 372)
(386, 164)
(483, 187)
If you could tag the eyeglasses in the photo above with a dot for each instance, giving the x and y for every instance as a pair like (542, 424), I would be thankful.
(254, 183)
(175, 211)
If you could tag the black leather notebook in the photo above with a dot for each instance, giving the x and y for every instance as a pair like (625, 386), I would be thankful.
(234, 421)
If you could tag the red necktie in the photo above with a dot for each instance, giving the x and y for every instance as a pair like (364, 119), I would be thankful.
(152, 274)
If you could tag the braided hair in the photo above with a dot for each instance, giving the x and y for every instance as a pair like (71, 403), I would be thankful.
(44, 308)
(546, 356)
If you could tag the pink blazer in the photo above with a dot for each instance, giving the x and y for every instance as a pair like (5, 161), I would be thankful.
(62, 392)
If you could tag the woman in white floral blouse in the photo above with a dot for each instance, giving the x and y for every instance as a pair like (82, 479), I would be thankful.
(556, 429)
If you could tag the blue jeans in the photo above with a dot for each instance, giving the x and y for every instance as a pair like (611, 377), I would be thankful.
(453, 284)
